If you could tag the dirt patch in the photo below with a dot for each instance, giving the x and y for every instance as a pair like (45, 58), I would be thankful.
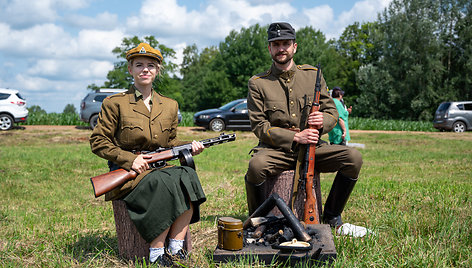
(82, 133)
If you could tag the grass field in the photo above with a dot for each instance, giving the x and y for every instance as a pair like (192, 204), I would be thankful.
(414, 192)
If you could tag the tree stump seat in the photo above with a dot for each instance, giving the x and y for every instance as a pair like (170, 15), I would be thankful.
(282, 184)
(131, 245)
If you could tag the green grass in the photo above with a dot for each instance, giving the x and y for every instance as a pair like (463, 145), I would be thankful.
(414, 191)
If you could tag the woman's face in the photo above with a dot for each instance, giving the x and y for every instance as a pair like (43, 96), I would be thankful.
(144, 70)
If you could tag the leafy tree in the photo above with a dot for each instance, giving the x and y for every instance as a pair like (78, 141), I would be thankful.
(69, 109)
(36, 109)
(411, 55)
(314, 49)
(359, 46)
(244, 54)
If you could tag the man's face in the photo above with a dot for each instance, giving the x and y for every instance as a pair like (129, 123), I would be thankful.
(282, 51)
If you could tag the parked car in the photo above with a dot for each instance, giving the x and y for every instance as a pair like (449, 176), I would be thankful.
(12, 108)
(92, 103)
(233, 115)
(455, 116)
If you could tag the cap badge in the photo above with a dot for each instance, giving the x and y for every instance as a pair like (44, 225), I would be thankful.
(142, 51)
(278, 30)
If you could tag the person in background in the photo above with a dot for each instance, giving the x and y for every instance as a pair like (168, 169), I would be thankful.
(340, 133)
(161, 202)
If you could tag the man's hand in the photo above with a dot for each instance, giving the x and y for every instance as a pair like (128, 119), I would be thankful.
(307, 136)
(315, 120)
(197, 147)
(139, 164)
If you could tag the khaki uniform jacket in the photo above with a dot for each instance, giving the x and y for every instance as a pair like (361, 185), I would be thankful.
(279, 100)
(126, 125)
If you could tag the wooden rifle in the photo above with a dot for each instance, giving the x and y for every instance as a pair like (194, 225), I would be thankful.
(311, 212)
(106, 182)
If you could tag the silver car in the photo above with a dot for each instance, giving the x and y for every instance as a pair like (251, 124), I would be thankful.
(455, 116)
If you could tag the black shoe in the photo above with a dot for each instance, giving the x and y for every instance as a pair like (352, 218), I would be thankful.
(164, 260)
(180, 255)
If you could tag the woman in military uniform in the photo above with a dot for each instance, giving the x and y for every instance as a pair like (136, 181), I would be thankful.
(161, 202)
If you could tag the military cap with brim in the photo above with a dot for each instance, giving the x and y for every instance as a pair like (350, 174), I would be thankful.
(280, 31)
(145, 50)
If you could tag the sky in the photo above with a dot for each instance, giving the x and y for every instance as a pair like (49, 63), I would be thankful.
(51, 50)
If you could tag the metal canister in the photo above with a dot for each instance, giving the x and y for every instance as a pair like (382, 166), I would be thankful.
(230, 233)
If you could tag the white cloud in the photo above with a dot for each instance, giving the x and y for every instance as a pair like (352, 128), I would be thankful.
(103, 21)
(322, 17)
(167, 20)
(25, 13)
(51, 41)
(71, 70)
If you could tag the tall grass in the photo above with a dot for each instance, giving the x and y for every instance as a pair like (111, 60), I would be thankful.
(395, 125)
(187, 121)
(41, 118)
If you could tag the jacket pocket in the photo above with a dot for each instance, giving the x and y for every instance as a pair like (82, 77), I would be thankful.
(166, 129)
(132, 130)
(275, 111)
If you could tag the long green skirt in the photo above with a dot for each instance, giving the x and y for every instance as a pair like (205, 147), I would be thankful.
(161, 197)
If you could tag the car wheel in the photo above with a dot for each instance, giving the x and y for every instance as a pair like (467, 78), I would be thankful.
(458, 126)
(93, 121)
(6, 122)
(217, 125)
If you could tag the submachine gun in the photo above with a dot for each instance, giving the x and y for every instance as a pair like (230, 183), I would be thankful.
(106, 182)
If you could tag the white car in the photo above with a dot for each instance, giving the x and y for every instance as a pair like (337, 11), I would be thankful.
(12, 108)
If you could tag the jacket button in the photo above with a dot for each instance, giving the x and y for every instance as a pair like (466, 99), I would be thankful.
(294, 115)
(291, 103)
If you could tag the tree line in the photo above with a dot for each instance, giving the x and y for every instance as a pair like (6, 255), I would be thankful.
(415, 55)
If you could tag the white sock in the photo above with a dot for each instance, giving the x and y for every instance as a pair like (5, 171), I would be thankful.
(155, 253)
(175, 245)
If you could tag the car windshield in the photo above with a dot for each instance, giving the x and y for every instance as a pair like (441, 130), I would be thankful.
(444, 106)
(229, 105)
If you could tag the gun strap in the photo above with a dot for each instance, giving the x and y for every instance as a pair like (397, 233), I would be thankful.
(296, 177)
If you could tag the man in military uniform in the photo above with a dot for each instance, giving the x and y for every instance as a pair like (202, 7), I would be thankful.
(279, 103)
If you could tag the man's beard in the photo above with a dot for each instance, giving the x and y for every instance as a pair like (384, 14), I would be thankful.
(282, 62)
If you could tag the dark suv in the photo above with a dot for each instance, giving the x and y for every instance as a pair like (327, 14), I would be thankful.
(92, 103)
(455, 116)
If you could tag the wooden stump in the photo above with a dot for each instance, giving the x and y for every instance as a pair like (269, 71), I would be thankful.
(131, 245)
(283, 184)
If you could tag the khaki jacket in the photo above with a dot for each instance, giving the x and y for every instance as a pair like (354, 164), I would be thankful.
(126, 125)
(279, 100)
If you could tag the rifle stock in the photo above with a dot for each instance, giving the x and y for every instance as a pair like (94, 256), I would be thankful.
(311, 212)
(106, 182)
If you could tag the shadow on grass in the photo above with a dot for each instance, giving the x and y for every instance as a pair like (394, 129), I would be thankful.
(92, 245)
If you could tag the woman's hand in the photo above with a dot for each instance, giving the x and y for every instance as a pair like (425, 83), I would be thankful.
(197, 147)
(139, 164)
